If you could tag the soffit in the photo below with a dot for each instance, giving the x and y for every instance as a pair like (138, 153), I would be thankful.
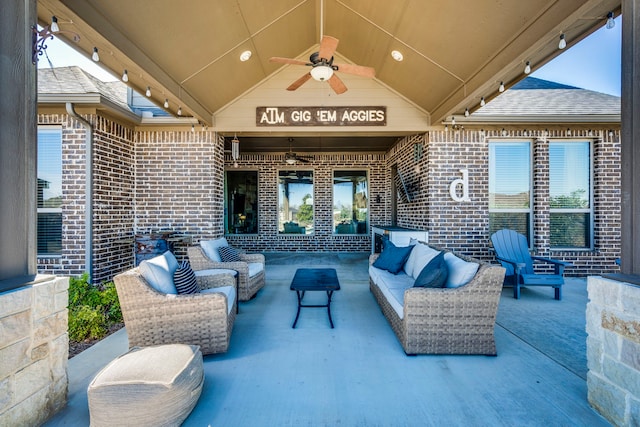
(455, 52)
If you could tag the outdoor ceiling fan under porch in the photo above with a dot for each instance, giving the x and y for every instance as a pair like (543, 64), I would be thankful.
(323, 68)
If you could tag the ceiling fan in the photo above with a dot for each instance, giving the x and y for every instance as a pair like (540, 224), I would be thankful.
(323, 68)
(292, 158)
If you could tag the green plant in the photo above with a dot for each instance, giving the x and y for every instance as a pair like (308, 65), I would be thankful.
(93, 309)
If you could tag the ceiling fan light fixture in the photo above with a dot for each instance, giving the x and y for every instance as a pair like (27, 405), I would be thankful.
(321, 73)
(290, 160)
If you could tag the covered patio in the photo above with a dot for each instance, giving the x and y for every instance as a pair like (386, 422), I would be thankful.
(358, 374)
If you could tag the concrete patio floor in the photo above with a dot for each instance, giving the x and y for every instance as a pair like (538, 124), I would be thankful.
(358, 375)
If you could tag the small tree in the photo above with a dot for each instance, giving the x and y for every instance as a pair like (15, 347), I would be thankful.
(305, 213)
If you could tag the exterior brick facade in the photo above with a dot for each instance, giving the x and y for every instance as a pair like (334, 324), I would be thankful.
(323, 239)
(146, 181)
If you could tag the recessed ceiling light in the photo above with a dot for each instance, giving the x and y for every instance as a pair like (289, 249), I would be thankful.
(244, 56)
(397, 55)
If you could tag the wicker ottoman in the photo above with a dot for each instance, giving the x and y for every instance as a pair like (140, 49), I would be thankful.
(147, 386)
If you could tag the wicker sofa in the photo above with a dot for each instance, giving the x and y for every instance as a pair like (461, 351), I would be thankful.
(446, 320)
(250, 268)
(154, 318)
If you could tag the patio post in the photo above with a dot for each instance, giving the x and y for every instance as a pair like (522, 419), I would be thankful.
(630, 141)
(18, 144)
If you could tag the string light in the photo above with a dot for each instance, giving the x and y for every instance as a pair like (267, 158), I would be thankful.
(610, 21)
(179, 111)
(54, 25)
(482, 103)
(527, 68)
(466, 112)
(148, 92)
(501, 87)
(95, 56)
(125, 76)
(563, 43)
(166, 103)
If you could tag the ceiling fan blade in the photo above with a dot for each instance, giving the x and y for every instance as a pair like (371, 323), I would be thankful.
(302, 159)
(357, 70)
(337, 85)
(302, 80)
(328, 46)
(287, 61)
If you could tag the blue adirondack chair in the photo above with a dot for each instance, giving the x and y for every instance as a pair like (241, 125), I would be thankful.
(512, 251)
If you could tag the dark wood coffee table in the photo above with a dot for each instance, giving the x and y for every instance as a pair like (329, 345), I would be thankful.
(315, 279)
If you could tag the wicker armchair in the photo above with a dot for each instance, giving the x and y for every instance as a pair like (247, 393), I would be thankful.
(448, 320)
(248, 286)
(154, 318)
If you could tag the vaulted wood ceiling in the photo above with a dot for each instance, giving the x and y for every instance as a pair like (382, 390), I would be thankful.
(455, 52)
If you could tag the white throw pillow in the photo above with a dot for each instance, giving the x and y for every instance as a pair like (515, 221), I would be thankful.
(460, 271)
(408, 265)
(158, 272)
(421, 255)
(210, 248)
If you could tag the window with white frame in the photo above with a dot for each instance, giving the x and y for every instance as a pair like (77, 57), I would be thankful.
(49, 190)
(350, 196)
(570, 191)
(510, 186)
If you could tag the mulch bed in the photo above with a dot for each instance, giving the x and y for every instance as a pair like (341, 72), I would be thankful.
(77, 347)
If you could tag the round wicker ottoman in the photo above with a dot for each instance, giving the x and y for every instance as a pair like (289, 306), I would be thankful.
(147, 386)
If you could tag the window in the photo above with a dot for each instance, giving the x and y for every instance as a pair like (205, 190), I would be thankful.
(570, 194)
(241, 202)
(295, 202)
(49, 190)
(350, 195)
(510, 187)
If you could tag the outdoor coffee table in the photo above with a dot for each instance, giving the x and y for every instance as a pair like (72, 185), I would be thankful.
(315, 279)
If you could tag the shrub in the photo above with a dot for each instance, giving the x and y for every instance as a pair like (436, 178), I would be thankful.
(93, 309)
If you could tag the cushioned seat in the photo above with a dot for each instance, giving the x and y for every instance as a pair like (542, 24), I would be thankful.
(147, 386)
(454, 313)
(249, 267)
(152, 317)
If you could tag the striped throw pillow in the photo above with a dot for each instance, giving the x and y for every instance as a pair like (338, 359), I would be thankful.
(185, 279)
(228, 254)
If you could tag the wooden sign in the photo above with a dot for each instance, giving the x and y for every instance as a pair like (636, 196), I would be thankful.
(321, 116)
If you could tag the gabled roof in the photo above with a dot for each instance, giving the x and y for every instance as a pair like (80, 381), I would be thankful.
(537, 100)
(75, 81)
(59, 85)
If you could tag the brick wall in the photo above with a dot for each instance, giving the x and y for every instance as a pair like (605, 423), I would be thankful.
(113, 191)
(323, 166)
(179, 184)
(149, 181)
(464, 226)
(112, 202)
(71, 261)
